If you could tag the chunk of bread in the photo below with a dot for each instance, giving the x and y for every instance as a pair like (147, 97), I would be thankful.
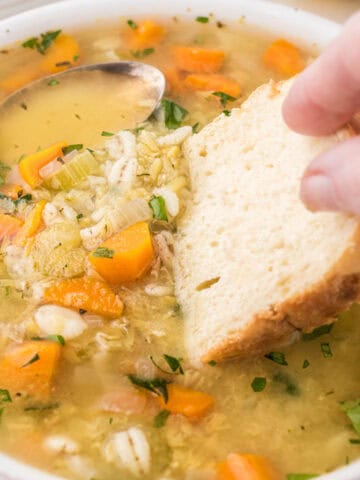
(254, 266)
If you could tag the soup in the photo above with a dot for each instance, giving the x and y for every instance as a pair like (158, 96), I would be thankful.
(94, 379)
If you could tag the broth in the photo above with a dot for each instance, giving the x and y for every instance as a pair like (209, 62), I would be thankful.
(295, 422)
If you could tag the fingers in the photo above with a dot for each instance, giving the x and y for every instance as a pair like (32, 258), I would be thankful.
(332, 181)
(327, 94)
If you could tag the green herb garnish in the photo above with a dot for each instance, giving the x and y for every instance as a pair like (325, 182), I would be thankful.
(317, 332)
(142, 53)
(33, 359)
(53, 338)
(227, 113)
(103, 252)
(158, 207)
(174, 364)
(224, 98)
(41, 408)
(174, 114)
(212, 363)
(258, 384)
(306, 363)
(3, 169)
(290, 386)
(71, 148)
(5, 396)
(160, 419)
(132, 24)
(352, 410)
(277, 357)
(355, 441)
(53, 82)
(42, 43)
(195, 127)
(107, 134)
(202, 19)
(155, 385)
(300, 476)
(326, 350)
(79, 216)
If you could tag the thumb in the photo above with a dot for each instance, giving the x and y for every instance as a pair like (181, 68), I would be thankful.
(332, 180)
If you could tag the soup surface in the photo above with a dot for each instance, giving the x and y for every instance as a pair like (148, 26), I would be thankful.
(94, 379)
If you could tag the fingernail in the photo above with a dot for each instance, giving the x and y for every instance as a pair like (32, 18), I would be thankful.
(317, 192)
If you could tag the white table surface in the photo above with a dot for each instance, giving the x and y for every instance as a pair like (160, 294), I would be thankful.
(337, 10)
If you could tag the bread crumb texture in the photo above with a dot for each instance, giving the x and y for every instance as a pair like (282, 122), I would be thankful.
(253, 265)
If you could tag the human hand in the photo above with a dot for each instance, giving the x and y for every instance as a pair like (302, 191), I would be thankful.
(323, 98)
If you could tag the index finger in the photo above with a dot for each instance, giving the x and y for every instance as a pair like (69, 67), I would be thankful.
(327, 94)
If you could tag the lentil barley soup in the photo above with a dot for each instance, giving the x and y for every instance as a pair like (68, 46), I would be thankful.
(94, 379)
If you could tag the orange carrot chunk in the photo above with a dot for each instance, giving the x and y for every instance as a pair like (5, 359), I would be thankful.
(146, 34)
(174, 81)
(86, 294)
(62, 54)
(126, 256)
(29, 368)
(25, 75)
(9, 226)
(214, 82)
(246, 467)
(32, 224)
(11, 190)
(198, 60)
(283, 57)
(31, 165)
(184, 401)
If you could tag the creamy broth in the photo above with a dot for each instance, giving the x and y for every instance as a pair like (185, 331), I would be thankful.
(295, 422)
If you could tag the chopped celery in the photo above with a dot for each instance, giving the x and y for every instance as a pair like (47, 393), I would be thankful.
(73, 172)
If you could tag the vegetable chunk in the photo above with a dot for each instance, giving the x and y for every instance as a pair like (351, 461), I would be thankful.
(62, 54)
(147, 34)
(205, 82)
(32, 224)
(283, 57)
(31, 165)
(85, 294)
(245, 467)
(126, 256)
(187, 402)
(29, 368)
(198, 60)
(9, 226)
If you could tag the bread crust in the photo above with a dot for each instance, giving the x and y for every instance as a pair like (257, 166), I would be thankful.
(282, 323)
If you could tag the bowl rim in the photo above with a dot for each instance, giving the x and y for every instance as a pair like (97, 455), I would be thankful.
(45, 17)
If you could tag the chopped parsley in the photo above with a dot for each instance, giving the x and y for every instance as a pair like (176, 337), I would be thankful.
(154, 385)
(3, 169)
(160, 419)
(227, 113)
(5, 396)
(107, 134)
(79, 216)
(23, 106)
(258, 384)
(212, 363)
(224, 98)
(202, 19)
(174, 114)
(173, 363)
(290, 386)
(42, 43)
(53, 338)
(326, 350)
(317, 332)
(195, 127)
(300, 476)
(53, 82)
(41, 407)
(142, 53)
(33, 359)
(103, 252)
(71, 148)
(352, 410)
(277, 357)
(158, 207)
(306, 364)
(132, 24)
(354, 441)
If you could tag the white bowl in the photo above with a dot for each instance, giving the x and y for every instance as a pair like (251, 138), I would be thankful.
(292, 23)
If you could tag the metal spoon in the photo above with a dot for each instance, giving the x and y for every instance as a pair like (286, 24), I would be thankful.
(151, 76)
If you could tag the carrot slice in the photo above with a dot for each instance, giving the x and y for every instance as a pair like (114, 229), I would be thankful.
(26, 74)
(29, 368)
(62, 54)
(198, 60)
(184, 401)
(32, 224)
(31, 165)
(147, 34)
(214, 82)
(246, 467)
(11, 190)
(174, 82)
(283, 57)
(126, 256)
(9, 226)
(86, 294)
